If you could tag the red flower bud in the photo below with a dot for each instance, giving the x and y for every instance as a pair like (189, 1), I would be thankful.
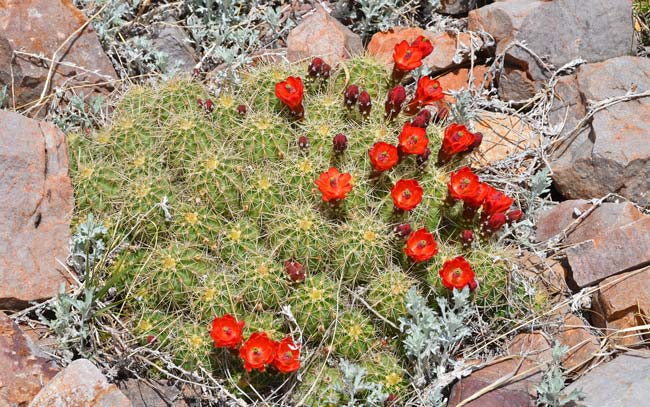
(295, 270)
(394, 101)
(199, 103)
(303, 142)
(351, 95)
(340, 143)
(515, 215)
(325, 71)
(315, 67)
(422, 119)
(467, 237)
(208, 106)
(478, 138)
(494, 223)
(391, 400)
(241, 109)
(403, 230)
(422, 159)
(441, 114)
(365, 104)
(150, 339)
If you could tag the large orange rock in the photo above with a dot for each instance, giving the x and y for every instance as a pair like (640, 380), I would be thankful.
(503, 135)
(36, 202)
(460, 79)
(40, 27)
(24, 368)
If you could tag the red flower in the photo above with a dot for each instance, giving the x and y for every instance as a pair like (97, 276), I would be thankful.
(428, 92)
(424, 45)
(457, 139)
(475, 201)
(495, 201)
(334, 185)
(407, 194)
(226, 332)
(421, 246)
(457, 273)
(287, 356)
(464, 184)
(290, 92)
(383, 156)
(257, 351)
(394, 101)
(413, 140)
(407, 57)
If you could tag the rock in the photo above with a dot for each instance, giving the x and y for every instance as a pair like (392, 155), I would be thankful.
(551, 272)
(622, 302)
(613, 238)
(516, 86)
(503, 135)
(534, 346)
(36, 202)
(520, 393)
(145, 394)
(80, 384)
(40, 27)
(567, 108)
(449, 50)
(622, 382)
(24, 367)
(459, 79)
(455, 7)
(612, 153)
(174, 43)
(583, 345)
(594, 30)
(321, 35)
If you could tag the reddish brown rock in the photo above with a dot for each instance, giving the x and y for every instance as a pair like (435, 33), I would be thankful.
(582, 343)
(623, 302)
(321, 35)
(534, 346)
(25, 369)
(80, 384)
(550, 272)
(459, 79)
(516, 86)
(40, 27)
(36, 200)
(520, 393)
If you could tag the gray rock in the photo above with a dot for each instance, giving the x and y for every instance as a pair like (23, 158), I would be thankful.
(612, 153)
(36, 202)
(146, 394)
(174, 43)
(557, 32)
(80, 384)
(455, 7)
(622, 382)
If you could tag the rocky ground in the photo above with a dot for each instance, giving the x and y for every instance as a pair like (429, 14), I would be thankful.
(557, 87)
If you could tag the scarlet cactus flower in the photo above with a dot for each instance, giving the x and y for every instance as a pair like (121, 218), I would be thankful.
(394, 102)
(315, 67)
(351, 95)
(227, 332)
(457, 273)
(456, 140)
(383, 156)
(406, 194)
(413, 140)
(241, 109)
(290, 92)
(467, 237)
(303, 142)
(463, 184)
(407, 57)
(340, 143)
(427, 93)
(421, 246)
(424, 45)
(403, 230)
(422, 119)
(287, 356)
(495, 202)
(333, 185)
(365, 104)
(258, 351)
(423, 158)
(476, 200)
(295, 270)
(515, 215)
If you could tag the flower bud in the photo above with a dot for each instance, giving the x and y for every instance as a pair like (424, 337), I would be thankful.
(478, 138)
(424, 157)
(295, 270)
(325, 71)
(241, 109)
(208, 105)
(315, 67)
(303, 142)
(351, 95)
(467, 237)
(340, 143)
(391, 400)
(365, 104)
(494, 223)
(515, 215)
(402, 230)
(199, 103)
(441, 114)
(422, 119)
(394, 102)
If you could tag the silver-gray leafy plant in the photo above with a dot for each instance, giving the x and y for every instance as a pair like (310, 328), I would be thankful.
(354, 390)
(549, 390)
(87, 246)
